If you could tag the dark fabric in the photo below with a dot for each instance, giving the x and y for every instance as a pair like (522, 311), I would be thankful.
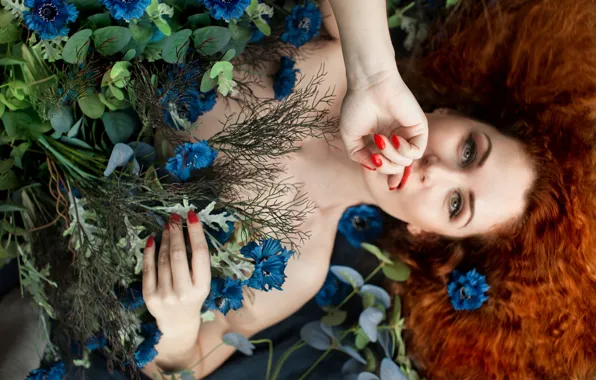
(9, 277)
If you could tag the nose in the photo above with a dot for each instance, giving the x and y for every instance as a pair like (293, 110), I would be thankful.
(434, 171)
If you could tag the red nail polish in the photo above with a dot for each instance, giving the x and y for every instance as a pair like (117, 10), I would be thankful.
(175, 218)
(379, 142)
(376, 159)
(395, 141)
(392, 188)
(405, 177)
(368, 167)
(192, 217)
(150, 242)
(167, 227)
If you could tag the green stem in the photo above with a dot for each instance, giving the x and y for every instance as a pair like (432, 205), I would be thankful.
(42, 140)
(278, 366)
(206, 356)
(267, 376)
(315, 364)
(355, 290)
(406, 8)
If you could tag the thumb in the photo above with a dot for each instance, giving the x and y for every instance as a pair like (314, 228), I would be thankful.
(412, 119)
(357, 150)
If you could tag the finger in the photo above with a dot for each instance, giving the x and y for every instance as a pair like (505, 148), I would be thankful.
(164, 271)
(201, 259)
(398, 181)
(406, 110)
(390, 149)
(384, 166)
(149, 267)
(178, 260)
(357, 150)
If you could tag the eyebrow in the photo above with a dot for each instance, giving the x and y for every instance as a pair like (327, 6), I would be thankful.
(472, 200)
(486, 152)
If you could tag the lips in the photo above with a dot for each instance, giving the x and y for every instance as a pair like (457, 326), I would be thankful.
(404, 178)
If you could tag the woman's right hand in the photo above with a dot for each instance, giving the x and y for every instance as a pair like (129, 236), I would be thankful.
(174, 293)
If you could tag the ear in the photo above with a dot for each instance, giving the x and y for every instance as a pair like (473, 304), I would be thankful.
(415, 230)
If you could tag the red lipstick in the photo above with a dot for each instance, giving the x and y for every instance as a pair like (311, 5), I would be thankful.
(404, 178)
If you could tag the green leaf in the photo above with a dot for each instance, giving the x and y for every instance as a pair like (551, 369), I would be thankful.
(221, 67)
(263, 26)
(18, 152)
(6, 165)
(229, 55)
(120, 69)
(87, 5)
(211, 39)
(163, 26)
(9, 34)
(451, 3)
(371, 361)
(368, 300)
(77, 46)
(361, 340)
(9, 61)
(130, 54)
(5, 18)
(239, 32)
(394, 21)
(119, 126)
(100, 20)
(175, 46)
(8, 180)
(75, 128)
(12, 228)
(76, 142)
(62, 120)
(334, 317)
(22, 125)
(2, 108)
(141, 31)
(381, 255)
(111, 39)
(207, 84)
(199, 20)
(396, 310)
(398, 271)
(7, 207)
(91, 106)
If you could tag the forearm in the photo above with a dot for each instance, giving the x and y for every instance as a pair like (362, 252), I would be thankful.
(366, 44)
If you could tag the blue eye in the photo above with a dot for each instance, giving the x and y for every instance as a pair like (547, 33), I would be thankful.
(455, 204)
(469, 151)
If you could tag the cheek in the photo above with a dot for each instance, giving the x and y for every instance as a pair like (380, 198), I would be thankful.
(425, 211)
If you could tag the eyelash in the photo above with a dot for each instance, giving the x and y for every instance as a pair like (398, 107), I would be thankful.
(455, 212)
(473, 151)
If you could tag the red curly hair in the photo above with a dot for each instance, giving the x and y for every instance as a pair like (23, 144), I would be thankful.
(528, 66)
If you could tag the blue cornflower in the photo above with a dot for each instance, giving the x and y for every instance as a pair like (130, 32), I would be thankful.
(183, 107)
(48, 18)
(219, 234)
(189, 157)
(333, 291)
(302, 25)
(467, 290)
(96, 343)
(133, 299)
(225, 294)
(55, 372)
(126, 9)
(69, 97)
(285, 78)
(146, 351)
(225, 9)
(270, 260)
(361, 224)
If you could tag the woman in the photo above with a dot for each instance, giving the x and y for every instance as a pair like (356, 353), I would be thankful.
(458, 188)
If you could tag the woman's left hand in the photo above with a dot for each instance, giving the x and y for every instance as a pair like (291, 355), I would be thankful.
(386, 108)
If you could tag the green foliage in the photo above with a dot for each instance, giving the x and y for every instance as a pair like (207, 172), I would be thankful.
(398, 271)
(211, 39)
(77, 46)
(91, 105)
(119, 126)
(112, 39)
(175, 46)
(20, 125)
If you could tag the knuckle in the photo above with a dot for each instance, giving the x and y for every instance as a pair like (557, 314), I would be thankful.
(201, 246)
(178, 255)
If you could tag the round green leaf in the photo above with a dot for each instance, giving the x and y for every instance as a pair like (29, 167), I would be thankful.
(77, 46)
(62, 120)
(361, 340)
(24, 125)
(398, 271)
(130, 54)
(100, 20)
(207, 84)
(239, 32)
(221, 67)
(141, 32)
(199, 20)
(163, 26)
(334, 317)
(9, 34)
(211, 39)
(119, 126)
(175, 47)
(111, 39)
(381, 255)
(91, 106)
(8, 180)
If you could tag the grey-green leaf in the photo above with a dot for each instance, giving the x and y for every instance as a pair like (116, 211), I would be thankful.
(379, 293)
(77, 46)
(111, 39)
(398, 271)
(335, 317)
(211, 39)
(176, 45)
(62, 120)
(381, 255)
(119, 126)
(121, 155)
(347, 275)
(390, 370)
(91, 106)
(314, 336)
(369, 320)
(239, 341)
(367, 376)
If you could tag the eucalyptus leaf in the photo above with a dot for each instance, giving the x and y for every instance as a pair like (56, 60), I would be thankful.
(76, 142)
(119, 126)
(62, 120)
(77, 46)
(371, 359)
(353, 353)
(18, 152)
(335, 317)
(8, 180)
(239, 341)
(222, 67)
(369, 320)
(111, 39)
(347, 275)
(398, 271)
(144, 153)
(229, 55)
(199, 20)
(361, 340)
(130, 54)
(379, 293)
(384, 338)
(381, 255)
(75, 128)
(211, 39)
(240, 32)
(141, 31)
(91, 106)
(390, 370)
(367, 376)
(7, 207)
(352, 366)
(368, 300)
(20, 125)
(314, 336)
(6, 165)
(121, 155)
(175, 46)
(99, 20)
(207, 84)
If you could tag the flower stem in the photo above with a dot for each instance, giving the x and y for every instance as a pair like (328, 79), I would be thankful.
(315, 364)
(278, 366)
(355, 290)
(270, 354)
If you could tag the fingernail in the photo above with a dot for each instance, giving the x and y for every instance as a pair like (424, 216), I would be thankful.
(175, 218)
(167, 227)
(376, 159)
(392, 188)
(150, 242)
(395, 141)
(368, 167)
(379, 142)
(192, 217)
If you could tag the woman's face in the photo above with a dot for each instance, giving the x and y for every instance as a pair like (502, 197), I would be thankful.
(470, 179)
